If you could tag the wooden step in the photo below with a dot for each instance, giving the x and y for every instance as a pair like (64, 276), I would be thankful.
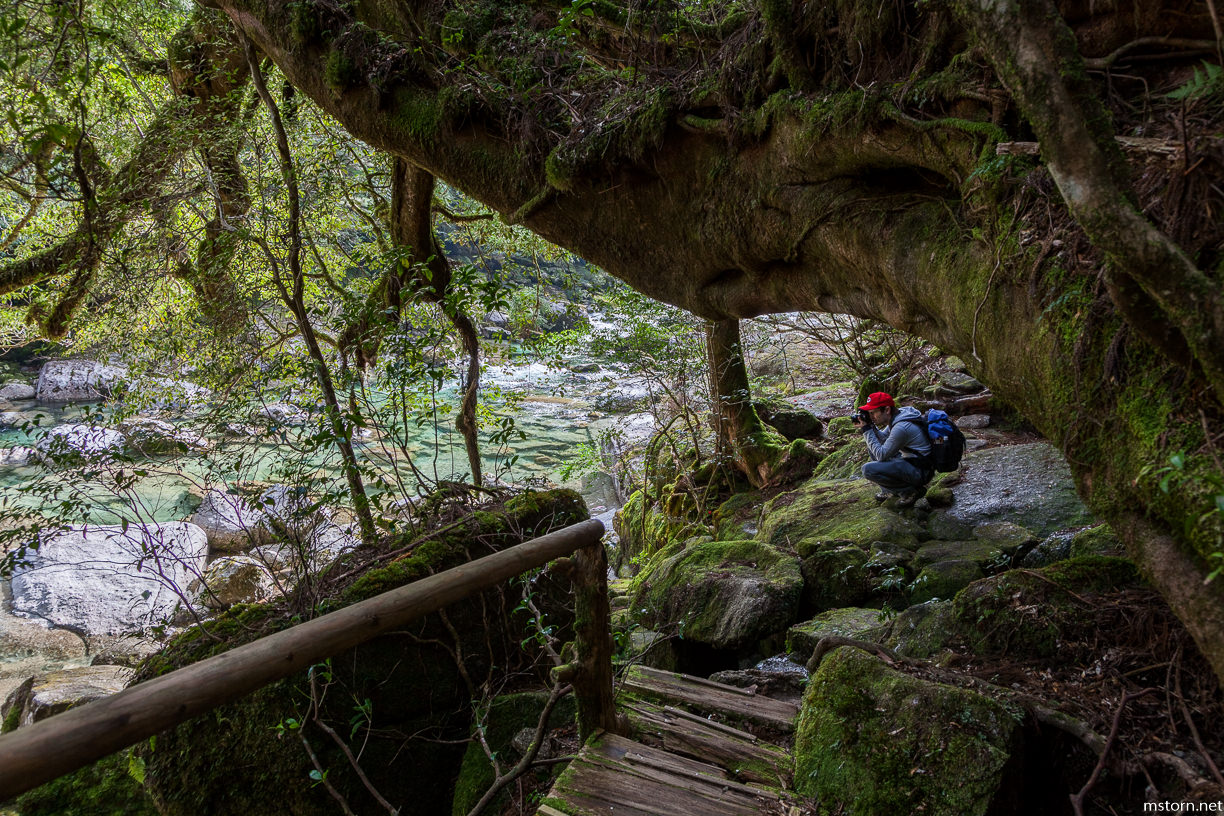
(745, 757)
(615, 776)
(711, 698)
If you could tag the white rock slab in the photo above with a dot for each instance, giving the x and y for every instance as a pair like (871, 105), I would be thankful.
(87, 440)
(231, 524)
(16, 391)
(77, 380)
(101, 580)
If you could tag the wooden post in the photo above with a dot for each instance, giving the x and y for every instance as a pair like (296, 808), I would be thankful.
(55, 746)
(593, 640)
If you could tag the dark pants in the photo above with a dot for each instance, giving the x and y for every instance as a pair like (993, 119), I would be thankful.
(895, 475)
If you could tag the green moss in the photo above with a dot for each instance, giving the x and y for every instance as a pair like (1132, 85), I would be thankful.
(1099, 540)
(851, 622)
(1000, 615)
(807, 519)
(105, 788)
(646, 529)
(944, 579)
(11, 720)
(872, 740)
(505, 717)
(339, 71)
(726, 594)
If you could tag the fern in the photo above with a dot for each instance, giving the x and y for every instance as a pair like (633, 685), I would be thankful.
(1204, 83)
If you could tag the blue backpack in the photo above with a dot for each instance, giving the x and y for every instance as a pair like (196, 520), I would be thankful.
(947, 441)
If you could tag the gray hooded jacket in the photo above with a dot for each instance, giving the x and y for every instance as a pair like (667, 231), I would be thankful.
(900, 438)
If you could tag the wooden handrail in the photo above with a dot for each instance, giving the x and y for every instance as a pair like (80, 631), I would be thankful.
(45, 750)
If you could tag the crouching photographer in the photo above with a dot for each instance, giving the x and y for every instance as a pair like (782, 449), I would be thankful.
(900, 449)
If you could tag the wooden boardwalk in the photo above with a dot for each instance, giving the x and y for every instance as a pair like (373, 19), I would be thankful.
(699, 748)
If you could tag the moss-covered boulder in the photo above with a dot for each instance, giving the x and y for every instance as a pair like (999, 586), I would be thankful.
(249, 758)
(819, 512)
(501, 722)
(944, 579)
(644, 528)
(922, 630)
(1098, 540)
(843, 463)
(872, 740)
(1029, 613)
(724, 594)
(851, 622)
(835, 577)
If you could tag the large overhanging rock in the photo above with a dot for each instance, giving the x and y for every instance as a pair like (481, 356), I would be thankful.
(104, 580)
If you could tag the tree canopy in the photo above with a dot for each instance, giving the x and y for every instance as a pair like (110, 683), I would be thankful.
(1033, 186)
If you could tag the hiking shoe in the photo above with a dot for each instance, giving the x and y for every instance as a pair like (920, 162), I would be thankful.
(908, 497)
(884, 496)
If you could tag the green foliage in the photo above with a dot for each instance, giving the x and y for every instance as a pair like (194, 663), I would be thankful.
(109, 787)
(1204, 84)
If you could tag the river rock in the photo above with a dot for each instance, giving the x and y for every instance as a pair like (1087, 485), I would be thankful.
(17, 456)
(45, 695)
(973, 422)
(230, 523)
(281, 413)
(17, 391)
(90, 441)
(872, 740)
(77, 380)
(101, 579)
(232, 580)
(155, 437)
(1029, 485)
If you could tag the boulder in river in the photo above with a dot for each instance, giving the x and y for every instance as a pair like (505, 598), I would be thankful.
(45, 695)
(90, 441)
(16, 391)
(77, 380)
(103, 579)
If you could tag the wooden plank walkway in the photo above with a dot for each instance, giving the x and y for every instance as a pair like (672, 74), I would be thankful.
(699, 748)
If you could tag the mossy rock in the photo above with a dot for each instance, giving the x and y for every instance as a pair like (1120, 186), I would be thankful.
(984, 553)
(645, 529)
(737, 516)
(1098, 540)
(105, 788)
(506, 717)
(843, 463)
(944, 579)
(819, 512)
(1028, 613)
(653, 649)
(836, 577)
(246, 757)
(872, 740)
(724, 594)
(851, 622)
(923, 629)
(1007, 536)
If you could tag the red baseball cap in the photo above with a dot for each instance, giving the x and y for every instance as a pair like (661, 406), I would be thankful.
(879, 400)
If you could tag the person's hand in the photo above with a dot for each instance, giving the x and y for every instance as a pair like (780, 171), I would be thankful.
(858, 422)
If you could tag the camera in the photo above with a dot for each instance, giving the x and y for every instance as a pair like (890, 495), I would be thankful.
(861, 416)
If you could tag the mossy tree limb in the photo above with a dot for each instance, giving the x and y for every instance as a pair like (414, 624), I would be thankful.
(820, 197)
